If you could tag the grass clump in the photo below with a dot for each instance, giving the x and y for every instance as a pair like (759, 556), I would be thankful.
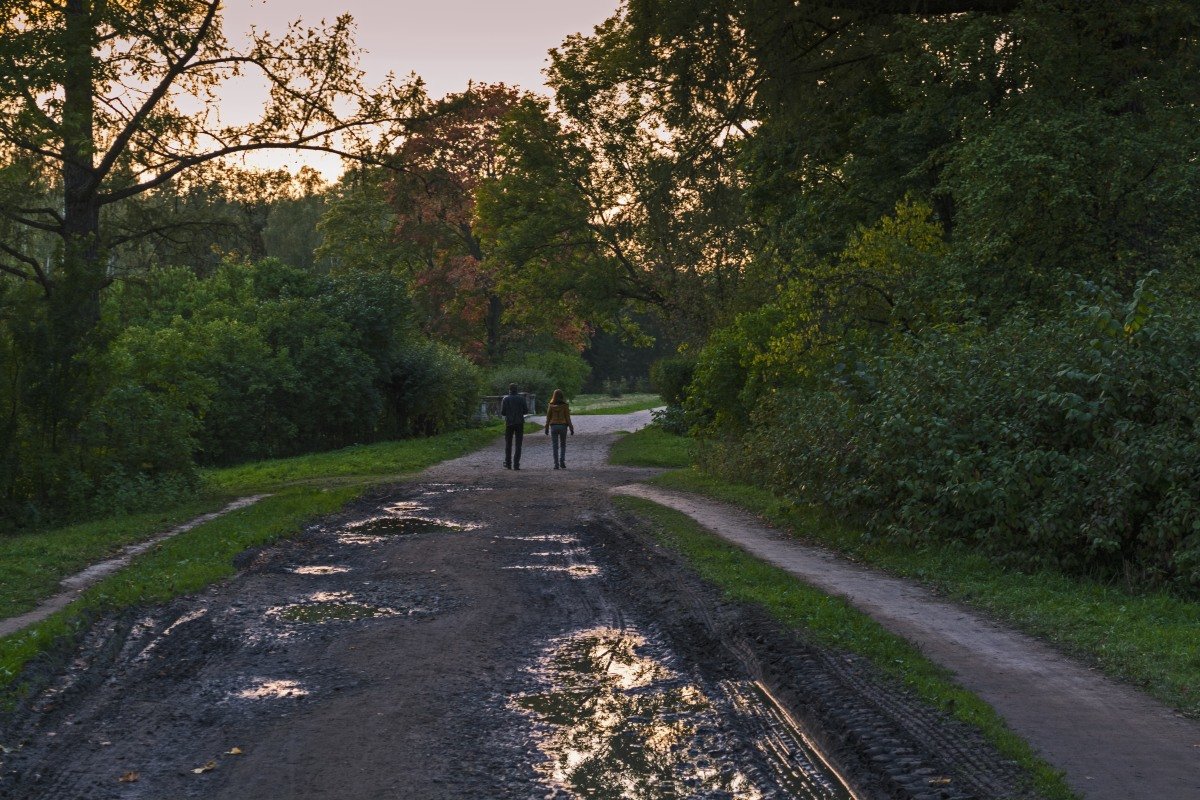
(833, 622)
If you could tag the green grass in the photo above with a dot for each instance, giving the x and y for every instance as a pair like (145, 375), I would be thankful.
(833, 622)
(585, 404)
(351, 463)
(32, 564)
(1150, 639)
(652, 447)
(304, 487)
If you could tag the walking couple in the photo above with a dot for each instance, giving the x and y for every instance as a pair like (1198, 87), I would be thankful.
(558, 421)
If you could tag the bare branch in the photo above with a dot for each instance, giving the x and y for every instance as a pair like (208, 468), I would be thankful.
(121, 140)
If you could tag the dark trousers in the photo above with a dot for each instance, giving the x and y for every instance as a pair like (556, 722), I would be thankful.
(512, 432)
(558, 441)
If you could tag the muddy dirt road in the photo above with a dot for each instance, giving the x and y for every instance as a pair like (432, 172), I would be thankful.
(476, 633)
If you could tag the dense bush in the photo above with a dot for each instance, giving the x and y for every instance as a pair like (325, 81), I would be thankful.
(527, 379)
(671, 377)
(1071, 443)
(541, 373)
(257, 360)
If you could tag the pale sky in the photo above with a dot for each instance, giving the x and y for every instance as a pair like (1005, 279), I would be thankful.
(446, 42)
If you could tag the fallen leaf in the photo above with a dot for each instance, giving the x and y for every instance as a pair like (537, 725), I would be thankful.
(942, 781)
(236, 751)
(209, 767)
(129, 777)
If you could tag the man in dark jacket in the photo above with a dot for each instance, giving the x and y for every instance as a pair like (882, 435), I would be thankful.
(513, 408)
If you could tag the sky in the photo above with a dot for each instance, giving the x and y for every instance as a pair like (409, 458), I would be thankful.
(446, 42)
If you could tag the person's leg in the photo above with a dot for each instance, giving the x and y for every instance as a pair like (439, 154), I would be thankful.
(508, 443)
(562, 453)
(519, 436)
(556, 442)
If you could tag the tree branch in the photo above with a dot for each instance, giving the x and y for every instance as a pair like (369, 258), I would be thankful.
(121, 140)
(38, 274)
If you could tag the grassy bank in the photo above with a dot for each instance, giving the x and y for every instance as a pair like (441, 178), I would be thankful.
(1150, 639)
(835, 623)
(604, 404)
(305, 487)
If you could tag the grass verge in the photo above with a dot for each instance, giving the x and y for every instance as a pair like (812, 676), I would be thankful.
(586, 404)
(1150, 639)
(305, 487)
(32, 564)
(834, 623)
(651, 447)
(351, 463)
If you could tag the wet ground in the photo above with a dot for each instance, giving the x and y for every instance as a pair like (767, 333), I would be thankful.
(478, 633)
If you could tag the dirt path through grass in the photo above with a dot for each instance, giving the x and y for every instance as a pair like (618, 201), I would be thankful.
(75, 584)
(1113, 742)
(477, 633)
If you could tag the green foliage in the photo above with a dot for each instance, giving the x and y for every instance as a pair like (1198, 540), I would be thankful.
(567, 371)
(255, 361)
(527, 379)
(1068, 443)
(541, 373)
(671, 378)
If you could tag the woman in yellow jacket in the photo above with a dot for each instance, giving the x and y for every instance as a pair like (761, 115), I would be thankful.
(558, 422)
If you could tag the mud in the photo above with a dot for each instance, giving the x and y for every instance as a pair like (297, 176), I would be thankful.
(529, 643)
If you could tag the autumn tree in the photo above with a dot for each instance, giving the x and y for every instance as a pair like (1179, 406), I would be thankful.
(447, 157)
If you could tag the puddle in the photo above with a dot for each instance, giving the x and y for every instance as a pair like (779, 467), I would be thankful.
(375, 528)
(569, 552)
(320, 570)
(265, 690)
(322, 607)
(574, 570)
(615, 719)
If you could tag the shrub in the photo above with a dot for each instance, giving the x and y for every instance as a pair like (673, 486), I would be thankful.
(567, 371)
(529, 379)
(1071, 443)
(671, 378)
(433, 388)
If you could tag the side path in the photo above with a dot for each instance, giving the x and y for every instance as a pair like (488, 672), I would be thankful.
(74, 585)
(1111, 741)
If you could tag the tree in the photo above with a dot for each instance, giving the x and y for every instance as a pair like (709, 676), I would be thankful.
(448, 156)
(95, 103)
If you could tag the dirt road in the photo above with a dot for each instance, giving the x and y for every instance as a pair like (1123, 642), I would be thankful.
(476, 633)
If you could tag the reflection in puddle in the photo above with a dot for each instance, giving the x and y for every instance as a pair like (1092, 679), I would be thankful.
(615, 721)
(320, 570)
(273, 689)
(574, 570)
(619, 723)
(453, 488)
(331, 607)
(377, 529)
(553, 537)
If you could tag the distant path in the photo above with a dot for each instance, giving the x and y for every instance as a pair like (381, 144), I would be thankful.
(1113, 742)
(74, 585)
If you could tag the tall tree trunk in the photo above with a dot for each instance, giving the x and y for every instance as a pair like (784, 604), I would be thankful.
(83, 267)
